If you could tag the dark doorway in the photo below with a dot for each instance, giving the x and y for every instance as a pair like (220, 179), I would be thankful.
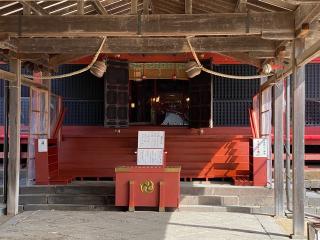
(152, 101)
(116, 94)
(200, 98)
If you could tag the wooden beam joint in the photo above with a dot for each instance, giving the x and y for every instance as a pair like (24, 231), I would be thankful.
(34, 7)
(303, 31)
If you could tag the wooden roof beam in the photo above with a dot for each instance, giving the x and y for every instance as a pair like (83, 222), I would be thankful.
(35, 7)
(134, 7)
(305, 57)
(280, 4)
(309, 54)
(80, 7)
(143, 45)
(303, 31)
(146, 6)
(241, 6)
(151, 25)
(99, 7)
(24, 81)
(26, 9)
(306, 13)
(302, 1)
(188, 6)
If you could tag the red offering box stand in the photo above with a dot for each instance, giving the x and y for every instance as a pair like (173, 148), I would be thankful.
(148, 186)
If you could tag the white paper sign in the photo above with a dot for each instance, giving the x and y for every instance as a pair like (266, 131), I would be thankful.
(150, 157)
(151, 139)
(260, 147)
(43, 145)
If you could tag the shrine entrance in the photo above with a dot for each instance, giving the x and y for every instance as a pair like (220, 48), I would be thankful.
(159, 102)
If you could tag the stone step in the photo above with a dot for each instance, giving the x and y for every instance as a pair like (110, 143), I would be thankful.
(107, 189)
(312, 198)
(102, 193)
(209, 200)
(206, 208)
(225, 190)
(313, 210)
(69, 207)
(26, 199)
(312, 184)
(247, 196)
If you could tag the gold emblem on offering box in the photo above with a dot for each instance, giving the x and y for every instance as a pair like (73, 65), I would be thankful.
(147, 186)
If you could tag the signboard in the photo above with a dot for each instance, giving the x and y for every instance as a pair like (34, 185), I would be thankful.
(150, 156)
(260, 147)
(43, 145)
(151, 139)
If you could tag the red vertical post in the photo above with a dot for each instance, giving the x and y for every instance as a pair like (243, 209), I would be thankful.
(259, 171)
(41, 166)
(260, 148)
(162, 198)
(131, 196)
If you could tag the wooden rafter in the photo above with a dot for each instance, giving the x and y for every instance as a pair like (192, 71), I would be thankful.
(188, 6)
(80, 7)
(35, 7)
(134, 7)
(309, 54)
(24, 81)
(146, 6)
(241, 6)
(306, 14)
(279, 4)
(99, 7)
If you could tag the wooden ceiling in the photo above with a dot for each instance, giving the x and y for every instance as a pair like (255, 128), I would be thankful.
(116, 7)
(250, 31)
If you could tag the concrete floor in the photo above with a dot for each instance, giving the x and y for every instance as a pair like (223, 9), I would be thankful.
(64, 225)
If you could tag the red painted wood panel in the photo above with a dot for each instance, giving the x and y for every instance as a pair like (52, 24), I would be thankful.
(96, 151)
(216, 153)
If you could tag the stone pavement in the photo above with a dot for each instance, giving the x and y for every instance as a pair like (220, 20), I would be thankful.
(94, 225)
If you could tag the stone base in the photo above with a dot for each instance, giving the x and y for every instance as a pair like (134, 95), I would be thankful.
(299, 237)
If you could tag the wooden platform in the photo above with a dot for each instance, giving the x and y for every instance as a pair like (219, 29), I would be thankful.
(96, 151)
(92, 153)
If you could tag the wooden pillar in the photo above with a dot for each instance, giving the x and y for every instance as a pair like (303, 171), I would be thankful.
(188, 6)
(288, 155)
(211, 96)
(134, 6)
(265, 118)
(80, 7)
(47, 83)
(14, 138)
(39, 126)
(298, 142)
(26, 10)
(241, 6)
(146, 5)
(278, 149)
(5, 139)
